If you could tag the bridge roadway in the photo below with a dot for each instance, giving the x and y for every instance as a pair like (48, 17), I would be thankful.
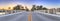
(36, 16)
(29, 16)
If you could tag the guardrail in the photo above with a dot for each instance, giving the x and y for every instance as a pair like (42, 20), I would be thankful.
(48, 11)
(10, 11)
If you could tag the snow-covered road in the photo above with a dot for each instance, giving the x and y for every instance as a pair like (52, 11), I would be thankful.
(44, 17)
(36, 16)
(22, 16)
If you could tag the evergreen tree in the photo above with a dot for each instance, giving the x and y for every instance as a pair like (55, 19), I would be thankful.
(22, 8)
(44, 8)
(17, 7)
(26, 9)
(33, 8)
(39, 7)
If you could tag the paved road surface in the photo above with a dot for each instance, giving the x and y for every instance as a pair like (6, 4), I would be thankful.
(44, 17)
(29, 16)
(15, 17)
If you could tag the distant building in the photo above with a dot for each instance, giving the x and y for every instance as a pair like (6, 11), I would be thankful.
(52, 11)
(58, 9)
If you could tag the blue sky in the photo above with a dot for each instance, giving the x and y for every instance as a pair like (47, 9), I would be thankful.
(29, 3)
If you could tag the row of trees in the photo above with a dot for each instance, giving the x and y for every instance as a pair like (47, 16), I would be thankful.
(38, 7)
(20, 7)
(34, 7)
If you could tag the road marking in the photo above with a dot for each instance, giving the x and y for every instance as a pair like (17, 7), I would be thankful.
(30, 17)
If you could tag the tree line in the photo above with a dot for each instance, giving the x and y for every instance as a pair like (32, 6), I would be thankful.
(20, 7)
(34, 7)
